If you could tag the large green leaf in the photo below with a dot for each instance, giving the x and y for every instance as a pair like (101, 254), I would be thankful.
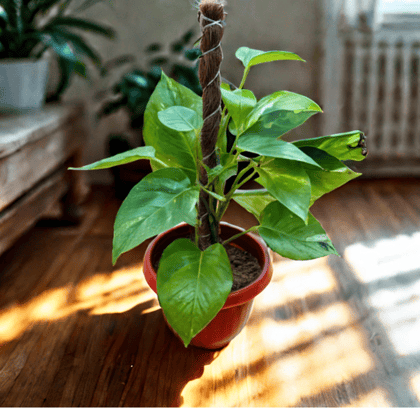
(239, 103)
(251, 57)
(279, 113)
(180, 118)
(160, 201)
(254, 201)
(333, 174)
(273, 147)
(192, 285)
(145, 152)
(174, 148)
(290, 237)
(288, 182)
(343, 146)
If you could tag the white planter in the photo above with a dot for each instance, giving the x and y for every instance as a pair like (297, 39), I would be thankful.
(23, 84)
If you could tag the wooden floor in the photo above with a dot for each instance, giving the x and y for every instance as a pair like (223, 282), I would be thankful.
(75, 331)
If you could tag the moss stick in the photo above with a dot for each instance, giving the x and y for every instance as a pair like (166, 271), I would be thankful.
(211, 17)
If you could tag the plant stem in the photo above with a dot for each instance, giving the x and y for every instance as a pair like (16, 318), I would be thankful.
(244, 78)
(235, 186)
(238, 235)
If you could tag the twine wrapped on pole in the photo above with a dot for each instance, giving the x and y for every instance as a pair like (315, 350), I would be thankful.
(211, 16)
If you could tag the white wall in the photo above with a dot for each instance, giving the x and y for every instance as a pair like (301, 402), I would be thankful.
(262, 24)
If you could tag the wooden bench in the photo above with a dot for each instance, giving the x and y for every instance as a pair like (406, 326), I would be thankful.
(35, 150)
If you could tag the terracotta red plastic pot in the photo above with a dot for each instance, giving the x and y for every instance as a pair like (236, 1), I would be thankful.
(232, 318)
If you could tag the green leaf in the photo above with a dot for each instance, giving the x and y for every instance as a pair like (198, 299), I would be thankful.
(137, 79)
(192, 285)
(228, 167)
(59, 44)
(79, 46)
(333, 174)
(225, 86)
(174, 148)
(272, 147)
(290, 237)
(180, 118)
(192, 54)
(279, 113)
(239, 103)
(145, 152)
(343, 146)
(251, 57)
(288, 182)
(254, 201)
(160, 201)
(83, 24)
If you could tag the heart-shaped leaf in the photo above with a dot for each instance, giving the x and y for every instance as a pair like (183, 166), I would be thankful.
(288, 182)
(160, 201)
(251, 57)
(180, 118)
(174, 148)
(192, 285)
(289, 236)
(145, 152)
(343, 146)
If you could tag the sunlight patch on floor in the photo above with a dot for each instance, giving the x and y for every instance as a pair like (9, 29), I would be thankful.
(375, 398)
(391, 270)
(114, 292)
(322, 365)
(415, 384)
(399, 312)
(296, 280)
(386, 258)
(285, 334)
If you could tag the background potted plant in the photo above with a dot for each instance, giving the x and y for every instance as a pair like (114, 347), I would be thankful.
(28, 28)
(183, 201)
(132, 91)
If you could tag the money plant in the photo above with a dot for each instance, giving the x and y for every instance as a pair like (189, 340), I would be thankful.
(188, 182)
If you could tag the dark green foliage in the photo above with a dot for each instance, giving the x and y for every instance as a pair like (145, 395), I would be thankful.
(23, 36)
(134, 88)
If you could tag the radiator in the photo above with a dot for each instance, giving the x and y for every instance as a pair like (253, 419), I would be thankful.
(371, 82)
(380, 91)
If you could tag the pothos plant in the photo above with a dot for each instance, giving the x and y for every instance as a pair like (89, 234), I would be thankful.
(194, 283)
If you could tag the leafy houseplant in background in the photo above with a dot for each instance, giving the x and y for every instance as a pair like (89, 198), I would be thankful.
(28, 28)
(132, 92)
(184, 199)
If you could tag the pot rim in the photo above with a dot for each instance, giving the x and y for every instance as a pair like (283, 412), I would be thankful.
(236, 297)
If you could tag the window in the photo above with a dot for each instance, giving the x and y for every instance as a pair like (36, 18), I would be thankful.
(401, 14)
